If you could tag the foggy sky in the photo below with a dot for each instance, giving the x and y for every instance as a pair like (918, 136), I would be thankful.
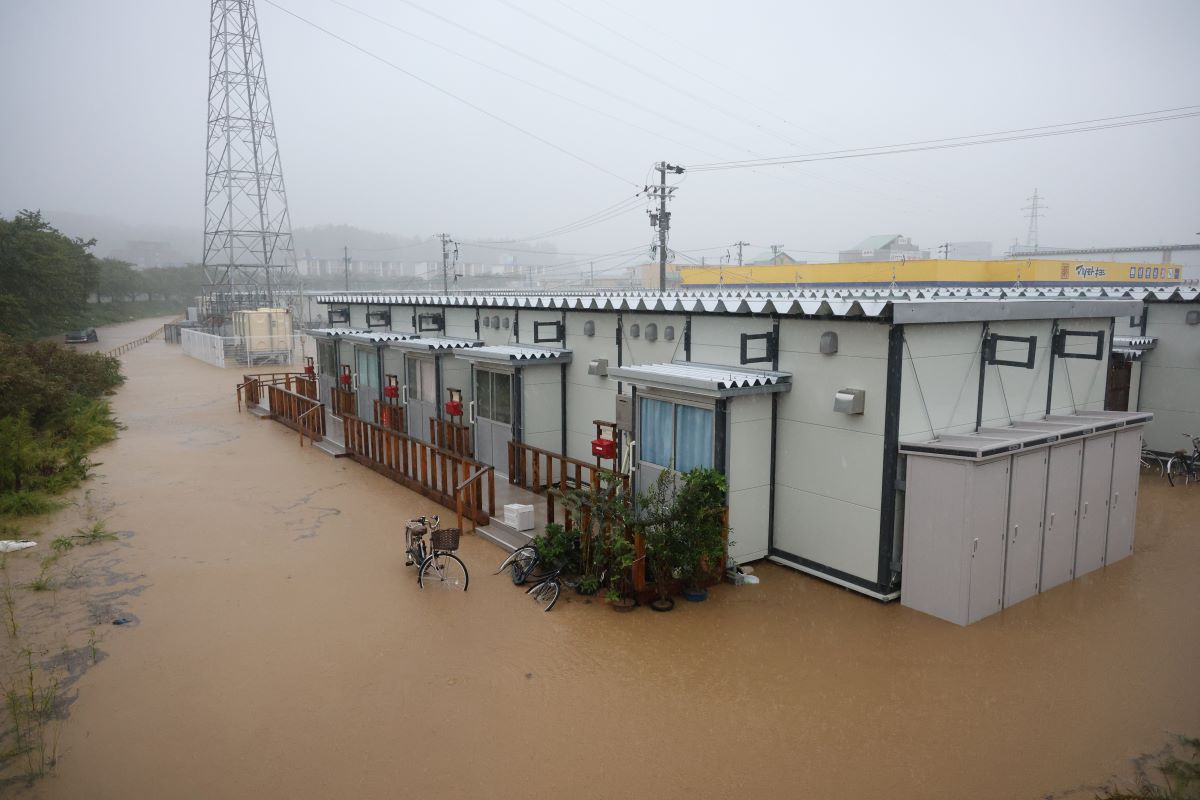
(104, 112)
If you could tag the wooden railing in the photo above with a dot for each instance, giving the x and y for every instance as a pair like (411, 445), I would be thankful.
(250, 389)
(451, 436)
(390, 415)
(469, 493)
(432, 471)
(343, 402)
(297, 412)
(538, 470)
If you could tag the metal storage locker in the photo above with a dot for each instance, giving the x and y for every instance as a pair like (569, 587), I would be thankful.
(1026, 504)
(954, 537)
(1062, 514)
(1122, 512)
(1094, 485)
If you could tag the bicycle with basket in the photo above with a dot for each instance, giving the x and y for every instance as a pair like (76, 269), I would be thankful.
(436, 561)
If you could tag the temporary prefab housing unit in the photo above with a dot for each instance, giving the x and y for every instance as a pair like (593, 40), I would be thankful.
(801, 398)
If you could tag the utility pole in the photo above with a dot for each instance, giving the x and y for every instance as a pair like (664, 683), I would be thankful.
(592, 280)
(662, 219)
(346, 260)
(445, 237)
(944, 248)
(775, 248)
(740, 245)
(1034, 208)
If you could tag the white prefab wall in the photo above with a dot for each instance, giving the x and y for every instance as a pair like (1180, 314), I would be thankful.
(460, 323)
(541, 413)
(589, 397)
(1170, 377)
(749, 471)
(828, 464)
(940, 378)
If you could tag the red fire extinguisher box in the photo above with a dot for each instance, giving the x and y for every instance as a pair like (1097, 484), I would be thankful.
(391, 392)
(604, 448)
(454, 408)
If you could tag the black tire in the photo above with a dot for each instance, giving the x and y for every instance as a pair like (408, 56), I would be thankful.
(445, 570)
(1176, 469)
(545, 594)
(524, 560)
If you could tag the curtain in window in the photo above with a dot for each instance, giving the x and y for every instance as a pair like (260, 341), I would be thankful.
(656, 434)
(693, 437)
(368, 367)
(502, 397)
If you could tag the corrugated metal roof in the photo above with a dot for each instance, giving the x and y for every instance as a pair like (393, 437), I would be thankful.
(710, 379)
(435, 343)
(515, 354)
(333, 331)
(380, 337)
(826, 301)
(1134, 342)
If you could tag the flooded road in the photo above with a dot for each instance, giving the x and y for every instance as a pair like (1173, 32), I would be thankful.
(283, 650)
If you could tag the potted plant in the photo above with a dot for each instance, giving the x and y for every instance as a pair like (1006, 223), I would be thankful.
(658, 521)
(700, 504)
(601, 514)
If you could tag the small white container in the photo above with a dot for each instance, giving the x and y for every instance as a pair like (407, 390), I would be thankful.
(518, 517)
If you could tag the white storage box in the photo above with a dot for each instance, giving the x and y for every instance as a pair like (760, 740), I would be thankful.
(518, 517)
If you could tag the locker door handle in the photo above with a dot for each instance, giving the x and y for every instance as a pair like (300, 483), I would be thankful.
(974, 547)
(471, 413)
(1085, 509)
(1016, 530)
(1116, 499)
(1052, 520)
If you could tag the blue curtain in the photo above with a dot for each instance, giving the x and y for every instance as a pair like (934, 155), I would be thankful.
(656, 432)
(693, 437)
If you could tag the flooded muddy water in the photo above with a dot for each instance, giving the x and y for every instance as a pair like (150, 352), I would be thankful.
(283, 650)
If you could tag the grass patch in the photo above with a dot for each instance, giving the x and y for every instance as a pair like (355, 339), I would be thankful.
(97, 314)
(27, 503)
(1179, 777)
(98, 532)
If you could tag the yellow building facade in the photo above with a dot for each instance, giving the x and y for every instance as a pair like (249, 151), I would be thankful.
(934, 272)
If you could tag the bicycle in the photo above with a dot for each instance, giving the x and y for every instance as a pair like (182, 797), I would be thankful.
(1183, 466)
(436, 563)
(1151, 461)
(546, 586)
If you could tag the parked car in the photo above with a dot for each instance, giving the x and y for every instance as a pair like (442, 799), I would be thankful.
(84, 335)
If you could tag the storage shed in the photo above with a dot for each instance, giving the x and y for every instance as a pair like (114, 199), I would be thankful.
(992, 518)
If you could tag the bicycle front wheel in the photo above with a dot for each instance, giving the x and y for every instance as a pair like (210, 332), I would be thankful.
(545, 594)
(1176, 470)
(445, 570)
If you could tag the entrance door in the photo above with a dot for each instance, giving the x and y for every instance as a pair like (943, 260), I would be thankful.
(420, 375)
(327, 370)
(1116, 392)
(493, 417)
(674, 436)
(366, 367)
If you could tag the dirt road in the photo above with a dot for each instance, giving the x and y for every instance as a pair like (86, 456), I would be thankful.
(282, 649)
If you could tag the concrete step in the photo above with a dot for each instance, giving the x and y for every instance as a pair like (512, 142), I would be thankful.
(331, 448)
(259, 411)
(504, 536)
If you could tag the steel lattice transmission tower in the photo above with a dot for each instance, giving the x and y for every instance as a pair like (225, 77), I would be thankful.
(1035, 209)
(248, 258)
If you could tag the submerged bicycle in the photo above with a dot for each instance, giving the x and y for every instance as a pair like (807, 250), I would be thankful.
(546, 586)
(436, 562)
(1183, 467)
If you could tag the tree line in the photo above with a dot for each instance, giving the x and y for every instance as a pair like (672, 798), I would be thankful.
(50, 281)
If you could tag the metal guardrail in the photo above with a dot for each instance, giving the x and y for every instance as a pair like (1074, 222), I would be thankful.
(121, 350)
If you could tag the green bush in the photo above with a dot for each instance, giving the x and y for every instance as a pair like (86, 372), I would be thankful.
(52, 414)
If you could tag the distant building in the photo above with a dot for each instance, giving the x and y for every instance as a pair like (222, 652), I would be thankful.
(887, 247)
(971, 251)
(144, 254)
(775, 258)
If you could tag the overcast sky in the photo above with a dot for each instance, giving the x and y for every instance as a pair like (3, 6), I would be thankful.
(104, 112)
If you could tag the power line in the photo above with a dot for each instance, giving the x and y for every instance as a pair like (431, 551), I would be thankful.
(491, 68)
(452, 95)
(1017, 134)
(559, 72)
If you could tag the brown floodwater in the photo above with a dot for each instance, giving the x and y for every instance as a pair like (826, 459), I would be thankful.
(282, 649)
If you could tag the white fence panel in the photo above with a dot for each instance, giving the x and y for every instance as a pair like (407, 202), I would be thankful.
(203, 346)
